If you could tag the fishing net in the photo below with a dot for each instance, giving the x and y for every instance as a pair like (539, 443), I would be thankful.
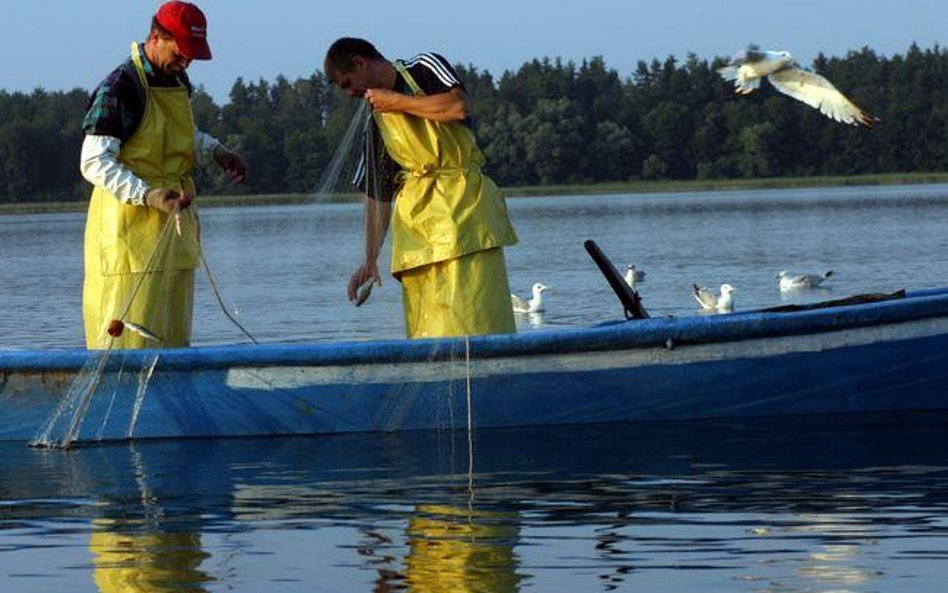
(151, 311)
(392, 388)
(111, 380)
(426, 387)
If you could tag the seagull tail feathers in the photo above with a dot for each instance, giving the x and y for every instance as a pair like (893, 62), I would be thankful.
(696, 292)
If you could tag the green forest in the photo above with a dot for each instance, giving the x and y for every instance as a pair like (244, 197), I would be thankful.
(548, 122)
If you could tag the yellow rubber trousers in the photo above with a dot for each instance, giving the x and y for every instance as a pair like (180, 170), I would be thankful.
(465, 296)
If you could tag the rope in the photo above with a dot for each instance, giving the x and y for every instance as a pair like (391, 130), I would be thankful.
(220, 301)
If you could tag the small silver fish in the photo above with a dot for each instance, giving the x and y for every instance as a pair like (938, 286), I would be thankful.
(364, 292)
(143, 332)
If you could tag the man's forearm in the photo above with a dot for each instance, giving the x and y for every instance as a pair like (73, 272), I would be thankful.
(449, 106)
(100, 166)
(440, 107)
(377, 216)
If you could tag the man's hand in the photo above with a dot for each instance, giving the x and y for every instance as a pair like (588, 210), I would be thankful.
(167, 200)
(231, 163)
(384, 100)
(367, 271)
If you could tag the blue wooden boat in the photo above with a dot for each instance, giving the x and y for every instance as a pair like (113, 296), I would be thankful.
(874, 353)
(887, 355)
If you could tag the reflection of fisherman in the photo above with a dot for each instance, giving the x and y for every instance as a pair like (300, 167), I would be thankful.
(148, 535)
(138, 152)
(457, 550)
(148, 562)
(449, 221)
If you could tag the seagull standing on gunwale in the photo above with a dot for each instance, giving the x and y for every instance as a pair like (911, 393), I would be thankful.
(801, 281)
(632, 275)
(781, 69)
(535, 304)
(723, 303)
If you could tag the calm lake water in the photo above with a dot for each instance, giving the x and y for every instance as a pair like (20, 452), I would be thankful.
(765, 506)
(789, 505)
(284, 269)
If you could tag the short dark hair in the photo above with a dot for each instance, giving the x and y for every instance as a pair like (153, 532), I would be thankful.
(157, 28)
(340, 53)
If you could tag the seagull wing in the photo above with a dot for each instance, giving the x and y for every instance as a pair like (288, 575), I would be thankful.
(705, 297)
(809, 280)
(819, 93)
(519, 305)
(753, 53)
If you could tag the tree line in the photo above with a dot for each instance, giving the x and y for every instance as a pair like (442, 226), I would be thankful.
(549, 122)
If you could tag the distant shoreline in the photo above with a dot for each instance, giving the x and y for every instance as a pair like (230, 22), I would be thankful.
(630, 187)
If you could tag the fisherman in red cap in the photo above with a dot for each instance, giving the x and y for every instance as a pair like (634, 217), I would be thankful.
(139, 149)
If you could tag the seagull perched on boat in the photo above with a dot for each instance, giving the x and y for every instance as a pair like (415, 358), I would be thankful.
(723, 303)
(632, 275)
(535, 304)
(801, 281)
(785, 74)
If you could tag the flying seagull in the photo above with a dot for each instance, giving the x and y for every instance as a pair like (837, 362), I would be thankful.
(534, 305)
(781, 69)
(801, 281)
(723, 303)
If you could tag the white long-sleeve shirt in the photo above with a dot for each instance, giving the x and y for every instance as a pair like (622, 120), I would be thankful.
(100, 166)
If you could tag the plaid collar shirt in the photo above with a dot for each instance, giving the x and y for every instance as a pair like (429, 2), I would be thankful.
(117, 105)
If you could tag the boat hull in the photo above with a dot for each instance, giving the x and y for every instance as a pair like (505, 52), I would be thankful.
(878, 357)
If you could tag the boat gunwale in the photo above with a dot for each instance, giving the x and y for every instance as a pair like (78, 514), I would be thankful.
(618, 335)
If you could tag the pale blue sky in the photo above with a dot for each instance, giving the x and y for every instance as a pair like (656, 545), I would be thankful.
(62, 44)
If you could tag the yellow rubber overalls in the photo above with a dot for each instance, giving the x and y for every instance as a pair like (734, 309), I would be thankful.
(137, 268)
(449, 225)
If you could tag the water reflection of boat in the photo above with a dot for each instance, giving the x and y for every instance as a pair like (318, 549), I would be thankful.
(841, 456)
(410, 510)
(855, 357)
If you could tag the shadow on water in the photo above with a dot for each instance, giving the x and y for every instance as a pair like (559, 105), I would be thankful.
(803, 502)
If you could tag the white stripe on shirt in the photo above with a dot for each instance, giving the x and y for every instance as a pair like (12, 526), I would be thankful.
(439, 67)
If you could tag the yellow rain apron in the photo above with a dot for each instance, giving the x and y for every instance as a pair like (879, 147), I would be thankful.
(137, 267)
(449, 225)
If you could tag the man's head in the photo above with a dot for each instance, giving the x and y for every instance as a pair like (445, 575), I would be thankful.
(178, 35)
(354, 65)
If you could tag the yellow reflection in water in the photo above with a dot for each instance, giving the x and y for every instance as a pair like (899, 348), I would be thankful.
(461, 550)
(153, 562)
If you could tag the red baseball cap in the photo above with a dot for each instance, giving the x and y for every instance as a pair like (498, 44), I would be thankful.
(187, 25)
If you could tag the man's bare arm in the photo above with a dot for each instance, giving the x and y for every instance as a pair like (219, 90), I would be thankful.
(449, 106)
